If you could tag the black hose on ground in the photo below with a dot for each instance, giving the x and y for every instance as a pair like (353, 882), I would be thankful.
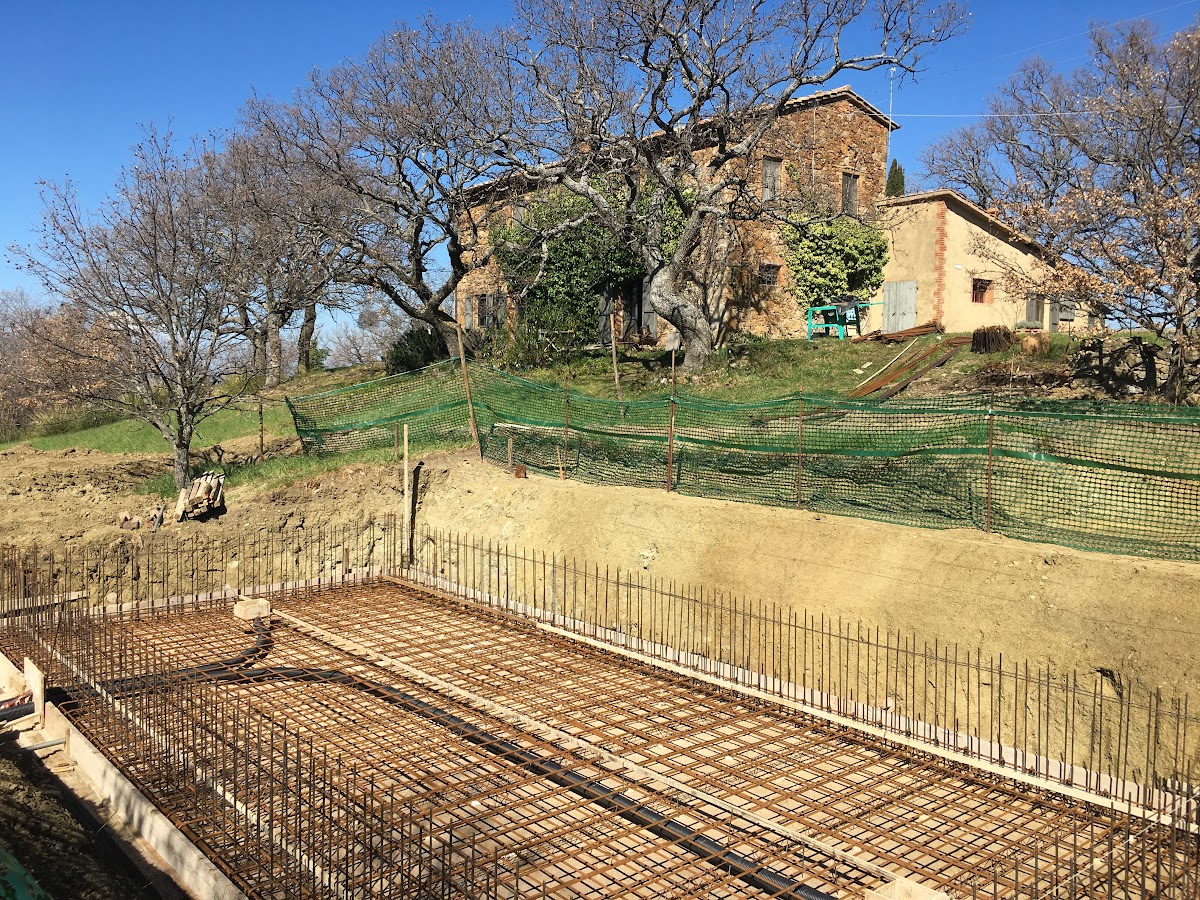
(20, 711)
(264, 643)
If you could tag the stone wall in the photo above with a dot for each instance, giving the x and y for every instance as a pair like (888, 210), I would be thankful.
(818, 140)
(1133, 367)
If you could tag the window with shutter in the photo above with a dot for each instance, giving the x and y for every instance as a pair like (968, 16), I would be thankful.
(772, 170)
(981, 290)
(850, 193)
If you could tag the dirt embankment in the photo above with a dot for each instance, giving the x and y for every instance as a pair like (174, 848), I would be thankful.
(77, 496)
(66, 854)
(1079, 611)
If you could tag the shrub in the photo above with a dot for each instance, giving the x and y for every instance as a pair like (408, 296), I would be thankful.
(415, 349)
(830, 259)
(65, 421)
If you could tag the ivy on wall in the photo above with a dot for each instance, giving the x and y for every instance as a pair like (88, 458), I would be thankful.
(830, 258)
(557, 280)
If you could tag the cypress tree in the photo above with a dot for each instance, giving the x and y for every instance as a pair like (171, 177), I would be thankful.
(895, 180)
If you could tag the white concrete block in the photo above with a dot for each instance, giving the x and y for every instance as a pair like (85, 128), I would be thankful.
(12, 679)
(252, 608)
(37, 686)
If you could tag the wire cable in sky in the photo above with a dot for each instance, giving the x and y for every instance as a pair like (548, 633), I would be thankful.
(1067, 37)
(1049, 114)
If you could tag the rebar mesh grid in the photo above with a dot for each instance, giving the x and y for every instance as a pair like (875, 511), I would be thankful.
(1105, 733)
(815, 804)
(381, 769)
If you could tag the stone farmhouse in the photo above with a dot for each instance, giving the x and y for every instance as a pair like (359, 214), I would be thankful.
(833, 146)
(952, 262)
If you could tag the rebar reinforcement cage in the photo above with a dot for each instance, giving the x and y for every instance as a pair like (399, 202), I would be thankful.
(291, 756)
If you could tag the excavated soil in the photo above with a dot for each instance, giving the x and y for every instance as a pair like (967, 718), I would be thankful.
(1077, 610)
(1047, 604)
(65, 853)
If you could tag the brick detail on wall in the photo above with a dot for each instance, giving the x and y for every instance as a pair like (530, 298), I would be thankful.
(939, 263)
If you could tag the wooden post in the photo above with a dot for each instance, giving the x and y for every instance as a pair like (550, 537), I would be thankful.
(407, 492)
(991, 440)
(671, 444)
(396, 441)
(672, 370)
(510, 455)
(612, 333)
(462, 356)
(800, 455)
(261, 441)
(566, 447)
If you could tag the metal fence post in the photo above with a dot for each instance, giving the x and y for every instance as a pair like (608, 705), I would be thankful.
(566, 447)
(462, 355)
(800, 454)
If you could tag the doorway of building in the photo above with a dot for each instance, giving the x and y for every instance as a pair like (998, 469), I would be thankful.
(899, 305)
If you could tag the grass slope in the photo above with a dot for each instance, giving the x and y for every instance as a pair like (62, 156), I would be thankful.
(136, 436)
(747, 370)
(751, 370)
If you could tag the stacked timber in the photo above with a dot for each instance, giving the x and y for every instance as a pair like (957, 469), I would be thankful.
(905, 334)
(205, 494)
(991, 339)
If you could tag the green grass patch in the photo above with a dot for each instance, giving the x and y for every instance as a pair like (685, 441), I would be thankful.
(271, 472)
(744, 371)
(136, 436)
(1061, 347)
(283, 470)
(107, 431)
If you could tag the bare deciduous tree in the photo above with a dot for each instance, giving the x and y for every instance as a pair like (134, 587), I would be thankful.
(145, 299)
(405, 132)
(645, 107)
(1102, 166)
(30, 384)
(287, 262)
(366, 342)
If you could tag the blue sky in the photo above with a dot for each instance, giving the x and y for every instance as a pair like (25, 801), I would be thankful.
(78, 78)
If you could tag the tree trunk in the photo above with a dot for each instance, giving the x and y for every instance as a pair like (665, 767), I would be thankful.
(1178, 387)
(183, 471)
(687, 318)
(258, 356)
(274, 355)
(304, 345)
(447, 330)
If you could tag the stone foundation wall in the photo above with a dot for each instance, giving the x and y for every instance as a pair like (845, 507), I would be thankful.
(1135, 367)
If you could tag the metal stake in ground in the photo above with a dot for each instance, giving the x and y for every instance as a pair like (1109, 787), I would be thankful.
(566, 447)
(671, 444)
(800, 454)
(407, 492)
(991, 441)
